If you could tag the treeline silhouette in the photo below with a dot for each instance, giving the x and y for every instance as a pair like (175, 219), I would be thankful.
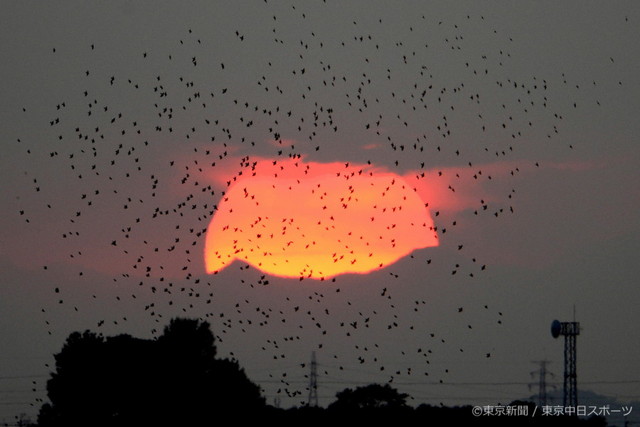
(177, 380)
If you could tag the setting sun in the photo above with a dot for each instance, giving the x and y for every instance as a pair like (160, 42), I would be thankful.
(296, 219)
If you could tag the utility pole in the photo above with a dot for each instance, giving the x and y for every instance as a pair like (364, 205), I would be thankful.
(313, 382)
(542, 381)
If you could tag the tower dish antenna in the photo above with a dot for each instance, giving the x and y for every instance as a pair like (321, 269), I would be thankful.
(556, 328)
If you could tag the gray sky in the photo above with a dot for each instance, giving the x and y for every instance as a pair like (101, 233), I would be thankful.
(113, 116)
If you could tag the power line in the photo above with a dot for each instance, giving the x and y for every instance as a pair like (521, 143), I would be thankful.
(450, 383)
(17, 377)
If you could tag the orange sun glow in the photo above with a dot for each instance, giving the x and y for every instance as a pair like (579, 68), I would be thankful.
(299, 219)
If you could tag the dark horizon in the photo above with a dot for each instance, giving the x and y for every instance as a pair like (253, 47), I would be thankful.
(123, 380)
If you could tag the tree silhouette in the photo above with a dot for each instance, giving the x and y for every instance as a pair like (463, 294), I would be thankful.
(371, 396)
(371, 403)
(123, 380)
(177, 380)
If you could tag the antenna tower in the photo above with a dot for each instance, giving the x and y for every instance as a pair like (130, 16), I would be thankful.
(570, 331)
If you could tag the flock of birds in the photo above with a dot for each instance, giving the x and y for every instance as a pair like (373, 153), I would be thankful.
(143, 153)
